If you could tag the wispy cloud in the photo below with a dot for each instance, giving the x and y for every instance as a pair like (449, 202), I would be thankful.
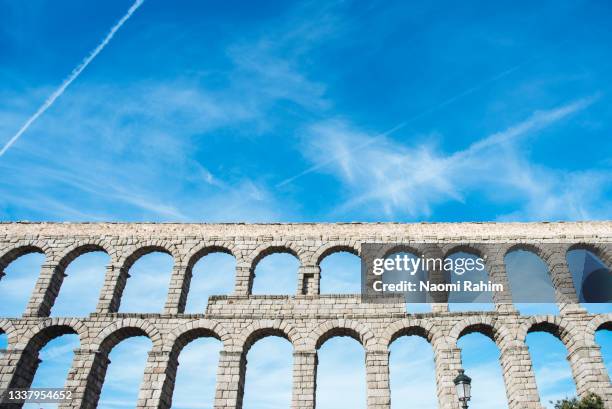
(413, 118)
(400, 179)
(73, 76)
(137, 146)
(136, 156)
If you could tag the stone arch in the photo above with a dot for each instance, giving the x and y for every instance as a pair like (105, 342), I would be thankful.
(598, 322)
(198, 252)
(367, 350)
(174, 344)
(408, 327)
(71, 253)
(267, 249)
(492, 342)
(51, 328)
(128, 260)
(469, 248)
(404, 331)
(570, 333)
(402, 248)
(546, 255)
(64, 259)
(583, 282)
(275, 247)
(338, 328)
(151, 246)
(601, 251)
(473, 252)
(33, 341)
(263, 329)
(123, 329)
(252, 334)
(563, 330)
(551, 259)
(320, 274)
(539, 251)
(182, 275)
(105, 341)
(184, 334)
(335, 247)
(19, 249)
(485, 325)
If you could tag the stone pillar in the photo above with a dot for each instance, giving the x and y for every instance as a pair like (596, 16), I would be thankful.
(230, 380)
(158, 381)
(496, 267)
(85, 379)
(377, 377)
(447, 360)
(589, 371)
(565, 292)
(439, 307)
(437, 299)
(17, 368)
(519, 379)
(309, 279)
(304, 380)
(45, 291)
(244, 279)
(114, 284)
(179, 289)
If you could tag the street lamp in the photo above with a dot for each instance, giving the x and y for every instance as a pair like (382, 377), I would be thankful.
(463, 384)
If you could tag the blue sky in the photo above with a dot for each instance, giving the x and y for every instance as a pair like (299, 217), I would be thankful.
(307, 111)
(310, 111)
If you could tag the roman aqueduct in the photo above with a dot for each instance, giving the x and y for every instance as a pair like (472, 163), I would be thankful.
(307, 319)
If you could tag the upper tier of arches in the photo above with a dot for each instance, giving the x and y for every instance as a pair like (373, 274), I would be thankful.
(310, 254)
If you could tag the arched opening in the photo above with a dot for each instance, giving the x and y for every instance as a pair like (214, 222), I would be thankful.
(530, 283)
(276, 273)
(603, 338)
(17, 284)
(416, 302)
(122, 376)
(467, 268)
(341, 376)
(196, 374)
(46, 359)
(81, 287)
(212, 274)
(3, 342)
(552, 370)
(55, 362)
(147, 288)
(412, 373)
(340, 273)
(592, 280)
(480, 359)
(268, 378)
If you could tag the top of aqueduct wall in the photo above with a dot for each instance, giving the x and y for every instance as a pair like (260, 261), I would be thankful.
(472, 230)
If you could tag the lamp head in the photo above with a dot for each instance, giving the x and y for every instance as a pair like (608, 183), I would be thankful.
(463, 384)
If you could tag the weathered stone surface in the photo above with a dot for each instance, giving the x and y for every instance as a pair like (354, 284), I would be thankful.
(306, 319)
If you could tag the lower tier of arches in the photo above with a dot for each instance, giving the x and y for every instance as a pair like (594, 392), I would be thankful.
(99, 334)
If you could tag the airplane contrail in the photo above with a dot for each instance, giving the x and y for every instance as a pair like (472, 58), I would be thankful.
(73, 76)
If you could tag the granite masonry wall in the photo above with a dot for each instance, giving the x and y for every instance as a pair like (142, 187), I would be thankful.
(307, 319)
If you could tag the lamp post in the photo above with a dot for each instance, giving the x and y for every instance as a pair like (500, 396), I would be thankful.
(463, 384)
